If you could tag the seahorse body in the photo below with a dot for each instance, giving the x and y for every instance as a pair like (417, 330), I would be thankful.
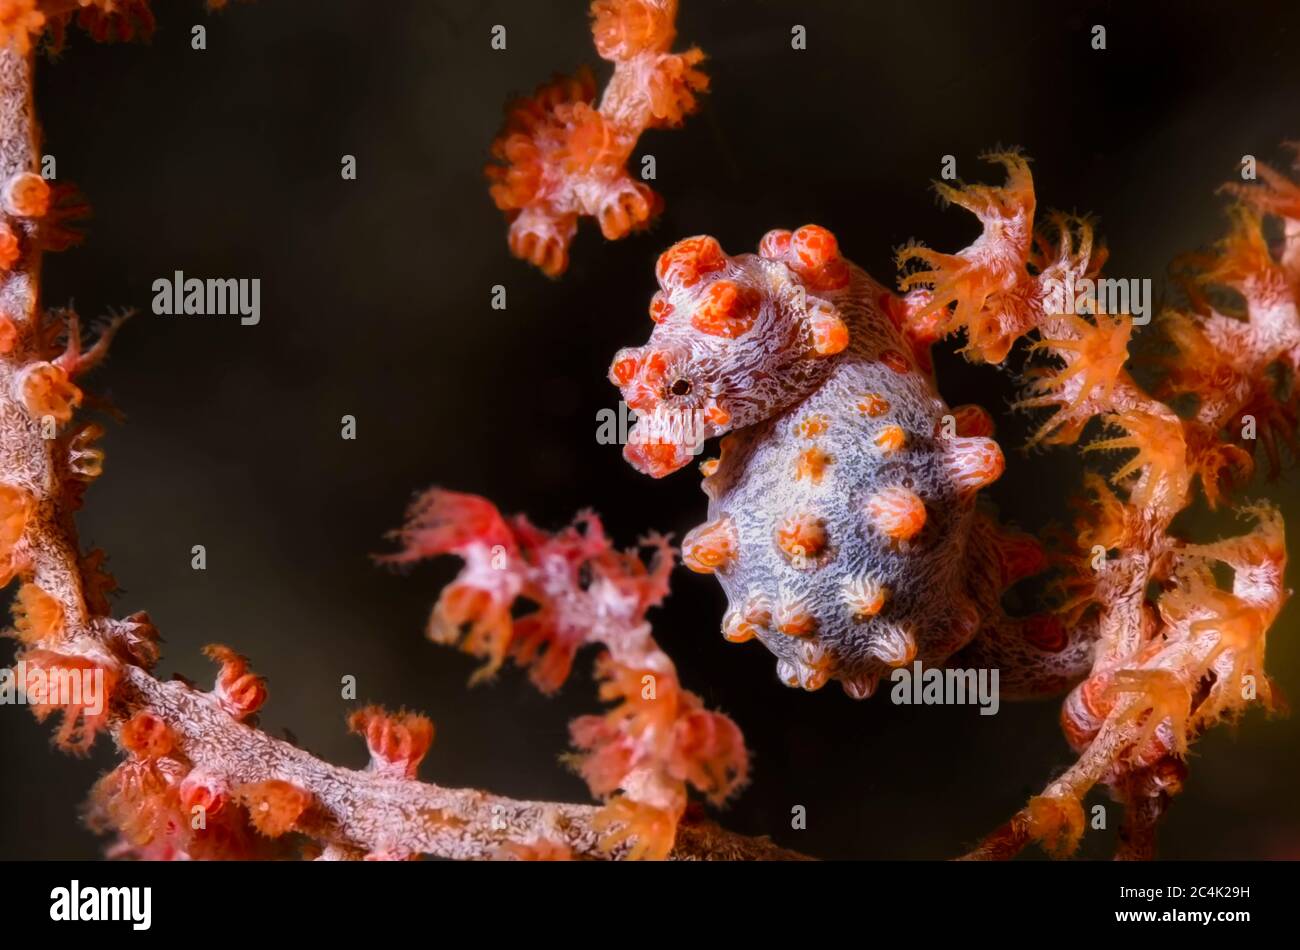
(839, 513)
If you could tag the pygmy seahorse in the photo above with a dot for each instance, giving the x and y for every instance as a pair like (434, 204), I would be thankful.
(841, 507)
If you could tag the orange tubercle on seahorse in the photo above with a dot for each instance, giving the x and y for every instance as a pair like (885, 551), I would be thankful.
(897, 512)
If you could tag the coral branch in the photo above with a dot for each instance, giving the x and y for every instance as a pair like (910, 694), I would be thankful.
(198, 779)
(562, 156)
(380, 814)
(1166, 668)
(658, 739)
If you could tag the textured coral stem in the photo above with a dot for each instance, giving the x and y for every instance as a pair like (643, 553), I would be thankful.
(367, 812)
(351, 813)
(28, 460)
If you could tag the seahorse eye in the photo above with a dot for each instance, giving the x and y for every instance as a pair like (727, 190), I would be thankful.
(681, 387)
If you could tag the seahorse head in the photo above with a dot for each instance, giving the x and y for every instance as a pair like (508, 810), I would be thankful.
(736, 340)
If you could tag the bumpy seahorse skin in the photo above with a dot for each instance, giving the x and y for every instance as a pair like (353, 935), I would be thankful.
(840, 511)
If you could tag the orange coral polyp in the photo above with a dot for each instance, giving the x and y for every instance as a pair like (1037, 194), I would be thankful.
(146, 735)
(1275, 194)
(624, 28)
(139, 799)
(16, 507)
(490, 626)
(20, 20)
(1094, 365)
(1057, 822)
(397, 742)
(47, 391)
(239, 691)
(38, 615)
(77, 686)
(1158, 696)
(970, 420)
(672, 87)
(200, 792)
(274, 807)
(27, 195)
(8, 334)
(649, 831)
(1243, 256)
(1238, 627)
(1161, 456)
(591, 141)
(10, 250)
(709, 753)
(974, 288)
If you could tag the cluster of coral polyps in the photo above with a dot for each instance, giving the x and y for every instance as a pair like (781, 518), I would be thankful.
(46, 461)
(24, 21)
(198, 778)
(562, 156)
(74, 658)
(658, 739)
(840, 515)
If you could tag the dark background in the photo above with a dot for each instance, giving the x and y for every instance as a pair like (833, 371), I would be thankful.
(375, 301)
